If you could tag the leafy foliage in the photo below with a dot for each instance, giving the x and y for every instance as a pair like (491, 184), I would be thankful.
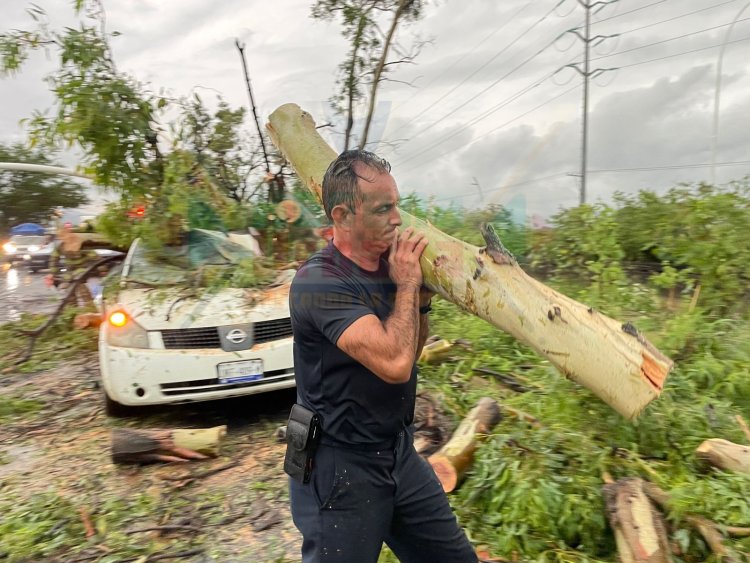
(55, 345)
(535, 492)
(689, 237)
(175, 171)
(30, 196)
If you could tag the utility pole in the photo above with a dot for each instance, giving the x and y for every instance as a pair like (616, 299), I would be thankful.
(241, 49)
(586, 73)
(479, 189)
(275, 181)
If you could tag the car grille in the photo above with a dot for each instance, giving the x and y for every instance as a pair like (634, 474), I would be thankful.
(208, 337)
(204, 385)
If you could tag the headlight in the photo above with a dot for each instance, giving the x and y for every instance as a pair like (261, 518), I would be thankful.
(123, 331)
(9, 248)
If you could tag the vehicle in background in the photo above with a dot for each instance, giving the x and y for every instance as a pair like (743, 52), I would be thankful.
(34, 252)
(19, 248)
(163, 342)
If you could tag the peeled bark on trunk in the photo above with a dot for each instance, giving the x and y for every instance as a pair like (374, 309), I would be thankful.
(452, 460)
(725, 455)
(176, 444)
(612, 359)
(639, 528)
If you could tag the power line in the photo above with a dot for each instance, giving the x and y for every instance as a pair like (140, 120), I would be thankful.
(601, 170)
(524, 114)
(518, 38)
(683, 53)
(672, 167)
(495, 108)
(635, 10)
(669, 19)
(478, 118)
(482, 116)
(449, 67)
(502, 104)
(505, 187)
(666, 40)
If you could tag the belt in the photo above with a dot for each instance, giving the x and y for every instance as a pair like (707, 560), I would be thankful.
(389, 444)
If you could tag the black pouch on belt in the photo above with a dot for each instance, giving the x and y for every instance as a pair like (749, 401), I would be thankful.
(302, 436)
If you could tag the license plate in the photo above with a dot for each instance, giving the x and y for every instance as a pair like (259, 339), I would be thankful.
(242, 371)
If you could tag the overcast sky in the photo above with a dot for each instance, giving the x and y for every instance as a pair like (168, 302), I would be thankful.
(482, 115)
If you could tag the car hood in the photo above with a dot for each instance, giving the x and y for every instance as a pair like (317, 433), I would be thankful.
(177, 308)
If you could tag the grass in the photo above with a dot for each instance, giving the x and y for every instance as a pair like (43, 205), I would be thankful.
(59, 343)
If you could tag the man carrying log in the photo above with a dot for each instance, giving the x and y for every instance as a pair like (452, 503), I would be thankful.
(359, 316)
(69, 259)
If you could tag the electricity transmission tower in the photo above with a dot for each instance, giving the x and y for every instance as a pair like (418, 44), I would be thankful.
(586, 73)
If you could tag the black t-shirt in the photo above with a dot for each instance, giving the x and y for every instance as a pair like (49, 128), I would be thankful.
(329, 293)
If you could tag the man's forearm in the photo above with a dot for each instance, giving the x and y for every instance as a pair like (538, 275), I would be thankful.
(403, 326)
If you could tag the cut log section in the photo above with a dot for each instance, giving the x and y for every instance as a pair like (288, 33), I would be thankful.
(725, 455)
(87, 320)
(452, 460)
(178, 444)
(436, 351)
(639, 528)
(612, 359)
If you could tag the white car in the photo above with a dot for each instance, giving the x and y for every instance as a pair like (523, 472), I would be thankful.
(19, 248)
(162, 343)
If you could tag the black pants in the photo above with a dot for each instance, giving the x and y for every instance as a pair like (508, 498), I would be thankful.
(356, 500)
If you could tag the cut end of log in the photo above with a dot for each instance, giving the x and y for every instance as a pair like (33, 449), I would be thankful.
(86, 320)
(445, 471)
(655, 371)
(725, 455)
(655, 366)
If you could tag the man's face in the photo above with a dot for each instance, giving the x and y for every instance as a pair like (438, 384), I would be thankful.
(375, 219)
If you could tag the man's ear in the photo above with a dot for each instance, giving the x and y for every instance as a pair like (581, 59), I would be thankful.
(341, 216)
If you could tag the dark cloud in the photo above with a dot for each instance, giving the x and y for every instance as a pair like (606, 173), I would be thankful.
(515, 141)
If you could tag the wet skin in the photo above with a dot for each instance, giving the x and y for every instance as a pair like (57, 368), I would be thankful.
(374, 222)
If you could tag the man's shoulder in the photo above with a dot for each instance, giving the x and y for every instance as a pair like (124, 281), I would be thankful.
(324, 263)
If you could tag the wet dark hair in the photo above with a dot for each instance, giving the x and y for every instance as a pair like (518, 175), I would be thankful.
(340, 180)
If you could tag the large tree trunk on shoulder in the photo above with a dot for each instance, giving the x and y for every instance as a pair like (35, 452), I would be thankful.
(610, 358)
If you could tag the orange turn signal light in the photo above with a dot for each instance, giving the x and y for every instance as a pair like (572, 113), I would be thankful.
(118, 318)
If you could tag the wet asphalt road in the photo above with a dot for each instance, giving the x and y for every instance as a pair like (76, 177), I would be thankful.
(24, 292)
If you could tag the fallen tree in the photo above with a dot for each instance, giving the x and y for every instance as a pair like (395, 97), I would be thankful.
(614, 360)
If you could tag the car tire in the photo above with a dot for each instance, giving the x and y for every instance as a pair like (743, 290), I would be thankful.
(114, 409)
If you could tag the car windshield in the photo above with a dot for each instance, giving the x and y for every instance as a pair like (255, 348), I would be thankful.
(175, 265)
(27, 240)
